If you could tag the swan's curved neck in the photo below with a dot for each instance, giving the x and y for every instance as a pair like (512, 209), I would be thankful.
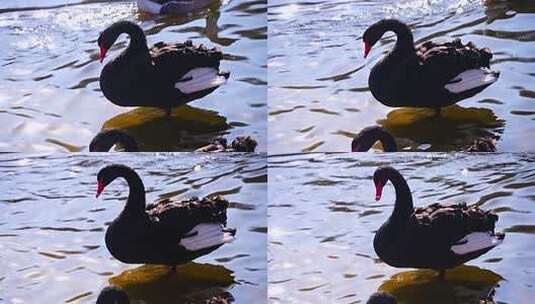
(405, 40)
(403, 207)
(129, 145)
(136, 195)
(106, 139)
(138, 41)
(388, 142)
(364, 142)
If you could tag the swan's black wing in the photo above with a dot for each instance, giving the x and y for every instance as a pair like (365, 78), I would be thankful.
(439, 63)
(177, 218)
(444, 225)
(173, 60)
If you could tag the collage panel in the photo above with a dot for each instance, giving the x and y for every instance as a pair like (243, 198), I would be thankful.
(329, 80)
(60, 244)
(64, 77)
(337, 236)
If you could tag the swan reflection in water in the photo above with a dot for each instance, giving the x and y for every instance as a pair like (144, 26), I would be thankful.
(455, 129)
(187, 129)
(463, 284)
(191, 283)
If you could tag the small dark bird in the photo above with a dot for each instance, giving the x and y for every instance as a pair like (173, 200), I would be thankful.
(239, 144)
(167, 232)
(165, 76)
(106, 139)
(436, 237)
(489, 299)
(225, 298)
(484, 144)
(381, 298)
(429, 75)
(369, 136)
(113, 295)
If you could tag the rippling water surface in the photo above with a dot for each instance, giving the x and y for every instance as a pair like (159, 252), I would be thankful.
(50, 97)
(52, 228)
(318, 79)
(323, 216)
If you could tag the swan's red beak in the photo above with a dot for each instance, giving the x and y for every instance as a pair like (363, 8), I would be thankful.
(378, 191)
(103, 52)
(367, 49)
(100, 188)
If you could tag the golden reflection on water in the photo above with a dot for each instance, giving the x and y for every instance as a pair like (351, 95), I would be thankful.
(464, 284)
(188, 128)
(191, 282)
(456, 125)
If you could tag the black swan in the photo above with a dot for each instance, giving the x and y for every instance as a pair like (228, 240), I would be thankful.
(172, 6)
(239, 144)
(166, 76)
(369, 136)
(429, 75)
(113, 295)
(437, 236)
(381, 298)
(166, 232)
(106, 139)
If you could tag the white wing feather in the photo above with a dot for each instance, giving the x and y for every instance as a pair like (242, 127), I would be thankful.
(471, 79)
(475, 241)
(206, 235)
(200, 79)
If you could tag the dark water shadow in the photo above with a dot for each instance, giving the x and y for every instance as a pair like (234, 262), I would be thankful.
(464, 284)
(454, 129)
(188, 128)
(191, 283)
(500, 9)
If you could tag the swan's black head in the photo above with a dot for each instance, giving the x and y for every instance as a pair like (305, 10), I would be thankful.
(107, 138)
(369, 135)
(108, 37)
(376, 31)
(112, 295)
(105, 40)
(108, 174)
(381, 298)
(380, 178)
